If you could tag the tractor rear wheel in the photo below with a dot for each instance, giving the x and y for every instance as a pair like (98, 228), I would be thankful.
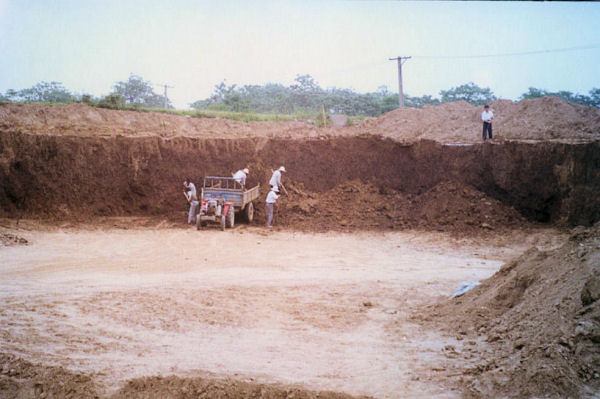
(249, 212)
(230, 218)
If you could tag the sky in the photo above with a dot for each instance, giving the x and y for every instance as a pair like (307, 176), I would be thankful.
(89, 45)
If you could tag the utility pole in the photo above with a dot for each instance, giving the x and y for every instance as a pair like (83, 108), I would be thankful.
(401, 60)
(165, 97)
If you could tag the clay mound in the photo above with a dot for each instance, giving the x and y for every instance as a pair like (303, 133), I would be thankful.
(22, 379)
(176, 387)
(458, 206)
(540, 316)
(545, 118)
(448, 206)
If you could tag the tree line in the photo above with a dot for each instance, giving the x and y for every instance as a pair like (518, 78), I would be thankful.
(303, 96)
(134, 92)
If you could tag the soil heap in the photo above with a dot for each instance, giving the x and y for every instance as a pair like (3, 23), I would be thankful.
(23, 379)
(539, 119)
(448, 206)
(540, 316)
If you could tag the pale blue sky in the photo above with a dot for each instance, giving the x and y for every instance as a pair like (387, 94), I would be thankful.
(193, 45)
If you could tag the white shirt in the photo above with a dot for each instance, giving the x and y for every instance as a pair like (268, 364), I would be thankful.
(240, 177)
(192, 188)
(275, 180)
(487, 116)
(272, 197)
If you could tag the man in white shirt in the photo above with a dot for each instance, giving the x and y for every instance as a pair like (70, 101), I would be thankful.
(192, 198)
(486, 116)
(271, 199)
(240, 176)
(275, 181)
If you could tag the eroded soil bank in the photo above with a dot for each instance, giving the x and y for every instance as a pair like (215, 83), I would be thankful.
(70, 177)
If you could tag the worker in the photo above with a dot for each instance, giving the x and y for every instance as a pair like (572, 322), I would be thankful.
(271, 199)
(240, 176)
(189, 190)
(486, 116)
(275, 181)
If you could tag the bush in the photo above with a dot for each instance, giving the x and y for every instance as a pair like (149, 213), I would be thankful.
(112, 101)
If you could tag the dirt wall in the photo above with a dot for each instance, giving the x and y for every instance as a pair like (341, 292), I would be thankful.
(69, 176)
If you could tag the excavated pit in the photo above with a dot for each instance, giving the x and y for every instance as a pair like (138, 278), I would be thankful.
(65, 176)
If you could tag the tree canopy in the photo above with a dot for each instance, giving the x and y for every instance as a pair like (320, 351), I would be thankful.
(304, 95)
(138, 92)
(51, 92)
(468, 92)
(593, 100)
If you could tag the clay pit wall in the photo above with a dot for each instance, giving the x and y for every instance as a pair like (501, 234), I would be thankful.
(63, 177)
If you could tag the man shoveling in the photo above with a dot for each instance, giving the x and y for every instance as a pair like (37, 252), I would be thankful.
(275, 181)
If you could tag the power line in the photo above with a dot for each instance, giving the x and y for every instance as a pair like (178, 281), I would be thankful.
(556, 50)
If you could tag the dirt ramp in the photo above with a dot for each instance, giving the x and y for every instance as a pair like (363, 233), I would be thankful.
(540, 317)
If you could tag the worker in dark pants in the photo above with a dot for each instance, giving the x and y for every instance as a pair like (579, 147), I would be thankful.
(271, 199)
(486, 116)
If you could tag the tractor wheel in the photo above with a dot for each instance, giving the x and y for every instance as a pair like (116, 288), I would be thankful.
(249, 212)
(223, 222)
(198, 222)
(230, 218)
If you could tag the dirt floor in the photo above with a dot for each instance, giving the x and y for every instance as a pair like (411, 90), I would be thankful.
(310, 312)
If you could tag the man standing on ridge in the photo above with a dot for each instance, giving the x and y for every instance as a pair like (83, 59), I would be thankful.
(240, 176)
(486, 116)
(275, 181)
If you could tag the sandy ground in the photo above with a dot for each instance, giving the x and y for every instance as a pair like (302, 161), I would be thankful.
(327, 311)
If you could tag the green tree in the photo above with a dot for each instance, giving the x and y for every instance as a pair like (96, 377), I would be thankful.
(592, 100)
(418, 102)
(42, 92)
(595, 97)
(138, 92)
(533, 93)
(113, 100)
(468, 92)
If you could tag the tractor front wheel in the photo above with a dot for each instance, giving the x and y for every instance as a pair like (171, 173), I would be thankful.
(223, 222)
